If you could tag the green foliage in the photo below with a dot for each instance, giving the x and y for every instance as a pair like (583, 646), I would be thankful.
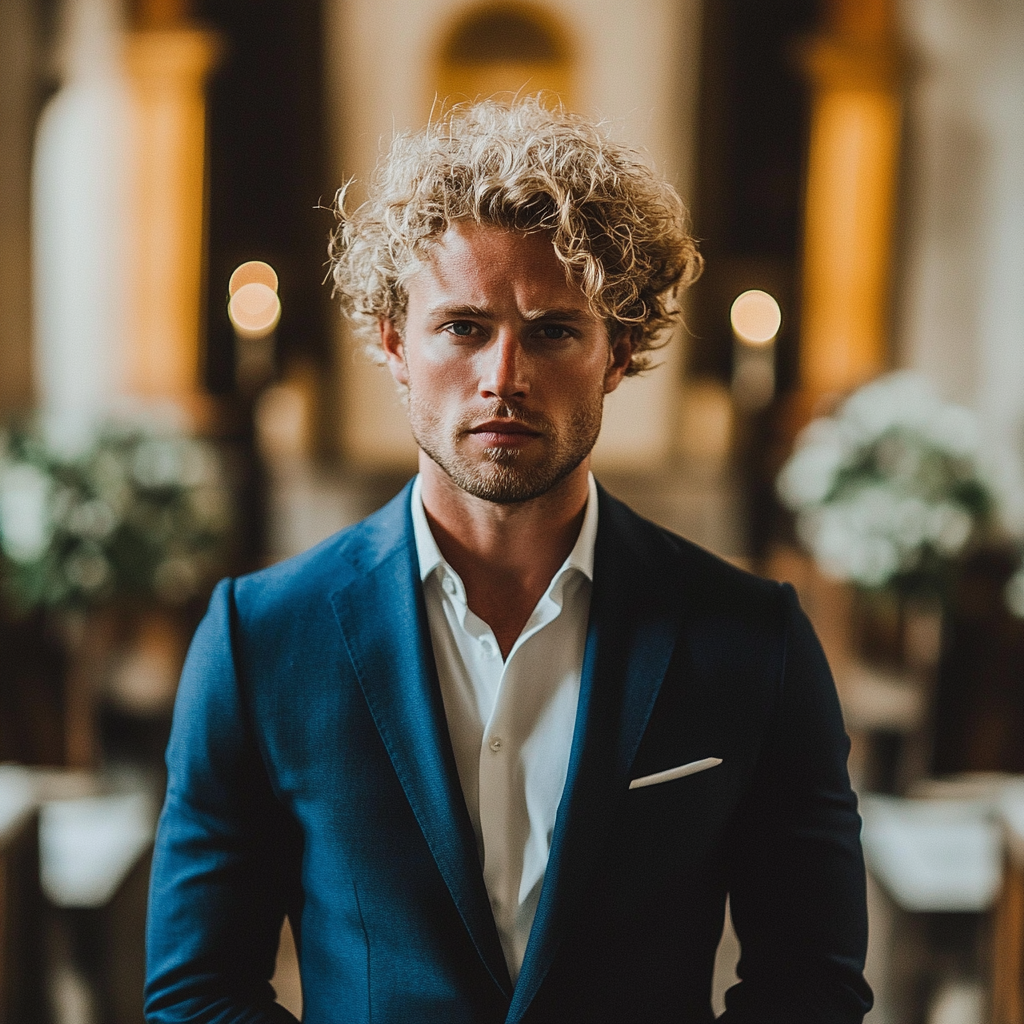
(139, 514)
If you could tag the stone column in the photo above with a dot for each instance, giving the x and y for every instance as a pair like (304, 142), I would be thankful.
(80, 202)
(168, 64)
(851, 192)
(17, 114)
(961, 313)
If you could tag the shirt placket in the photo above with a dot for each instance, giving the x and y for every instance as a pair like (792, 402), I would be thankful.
(504, 822)
(496, 766)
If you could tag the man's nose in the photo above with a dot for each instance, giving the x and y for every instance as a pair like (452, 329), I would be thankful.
(504, 373)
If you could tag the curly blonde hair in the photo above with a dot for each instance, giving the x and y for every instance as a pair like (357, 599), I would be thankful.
(621, 232)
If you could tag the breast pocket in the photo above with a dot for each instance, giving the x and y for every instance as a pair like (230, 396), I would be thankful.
(679, 772)
(678, 811)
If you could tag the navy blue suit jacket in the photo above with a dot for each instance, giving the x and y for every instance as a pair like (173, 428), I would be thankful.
(311, 774)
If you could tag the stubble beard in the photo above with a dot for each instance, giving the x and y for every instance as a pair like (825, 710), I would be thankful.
(507, 476)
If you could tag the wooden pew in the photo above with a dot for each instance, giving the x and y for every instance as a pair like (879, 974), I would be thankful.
(22, 978)
(1007, 953)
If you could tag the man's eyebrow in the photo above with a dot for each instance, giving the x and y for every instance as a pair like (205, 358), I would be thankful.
(569, 315)
(454, 312)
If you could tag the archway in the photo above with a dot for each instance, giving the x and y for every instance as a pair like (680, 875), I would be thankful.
(504, 48)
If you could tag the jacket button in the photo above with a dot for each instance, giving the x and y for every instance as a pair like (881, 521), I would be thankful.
(495, 743)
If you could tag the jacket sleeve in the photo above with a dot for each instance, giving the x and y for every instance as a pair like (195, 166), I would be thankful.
(217, 898)
(797, 885)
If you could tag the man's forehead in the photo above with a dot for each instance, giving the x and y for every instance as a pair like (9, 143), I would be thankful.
(477, 261)
(464, 237)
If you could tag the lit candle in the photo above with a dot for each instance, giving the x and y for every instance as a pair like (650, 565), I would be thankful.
(755, 317)
(254, 310)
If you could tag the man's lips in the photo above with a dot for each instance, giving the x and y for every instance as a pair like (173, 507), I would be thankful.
(504, 432)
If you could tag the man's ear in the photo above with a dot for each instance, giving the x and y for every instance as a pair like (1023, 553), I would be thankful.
(623, 343)
(394, 350)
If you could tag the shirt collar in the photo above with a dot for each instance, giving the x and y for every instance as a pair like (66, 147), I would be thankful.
(581, 557)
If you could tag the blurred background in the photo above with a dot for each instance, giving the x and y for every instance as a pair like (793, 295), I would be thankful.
(179, 399)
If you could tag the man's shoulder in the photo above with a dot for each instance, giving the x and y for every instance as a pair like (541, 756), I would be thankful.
(332, 564)
(666, 559)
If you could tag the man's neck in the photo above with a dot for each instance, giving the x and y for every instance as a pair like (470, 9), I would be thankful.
(506, 555)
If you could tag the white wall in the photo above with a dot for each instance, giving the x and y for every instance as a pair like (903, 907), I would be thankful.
(962, 311)
(637, 65)
(81, 195)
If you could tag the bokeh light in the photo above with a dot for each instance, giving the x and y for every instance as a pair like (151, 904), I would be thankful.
(755, 317)
(253, 272)
(254, 309)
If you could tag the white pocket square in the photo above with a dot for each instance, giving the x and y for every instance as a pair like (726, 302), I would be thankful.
(675, 773)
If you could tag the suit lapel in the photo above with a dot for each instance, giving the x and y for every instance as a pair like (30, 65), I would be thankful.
(634, 622)
(383, 622)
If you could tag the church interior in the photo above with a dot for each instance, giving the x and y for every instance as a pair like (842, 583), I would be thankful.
(843, 408)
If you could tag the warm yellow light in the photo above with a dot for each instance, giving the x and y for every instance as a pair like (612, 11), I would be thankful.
(852, 170)
(254, 309)
(755, 317)
(253, 272)
(168, 69)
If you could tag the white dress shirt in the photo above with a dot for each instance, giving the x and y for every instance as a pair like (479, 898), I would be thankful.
(511, 723)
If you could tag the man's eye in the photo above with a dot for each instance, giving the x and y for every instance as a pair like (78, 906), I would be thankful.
(460, 328)
(552, 332)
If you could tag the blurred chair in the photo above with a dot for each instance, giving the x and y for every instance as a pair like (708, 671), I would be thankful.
(74, 872)
(886, 714)
(95, 856)
(1008, 927)
(978, 706)
(937, 862)
(22, 976)
(883, 671)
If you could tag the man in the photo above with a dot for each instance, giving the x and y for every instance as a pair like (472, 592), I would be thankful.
(501, 750)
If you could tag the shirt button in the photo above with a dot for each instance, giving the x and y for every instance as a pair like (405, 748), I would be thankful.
(489, 647)
(448, 584)
(495, 743)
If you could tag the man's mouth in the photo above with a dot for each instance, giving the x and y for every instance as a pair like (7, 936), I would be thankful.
(504, 432)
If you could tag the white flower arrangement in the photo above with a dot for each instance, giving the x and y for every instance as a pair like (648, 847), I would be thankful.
(141, 512)
(892, 488)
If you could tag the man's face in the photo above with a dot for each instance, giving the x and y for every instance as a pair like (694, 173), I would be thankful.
(506, 365)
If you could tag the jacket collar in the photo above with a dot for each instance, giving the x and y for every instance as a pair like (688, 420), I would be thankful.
(383, 621)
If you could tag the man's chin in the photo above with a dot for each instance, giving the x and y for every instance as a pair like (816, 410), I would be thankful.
(506, 482)
(504, 486)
